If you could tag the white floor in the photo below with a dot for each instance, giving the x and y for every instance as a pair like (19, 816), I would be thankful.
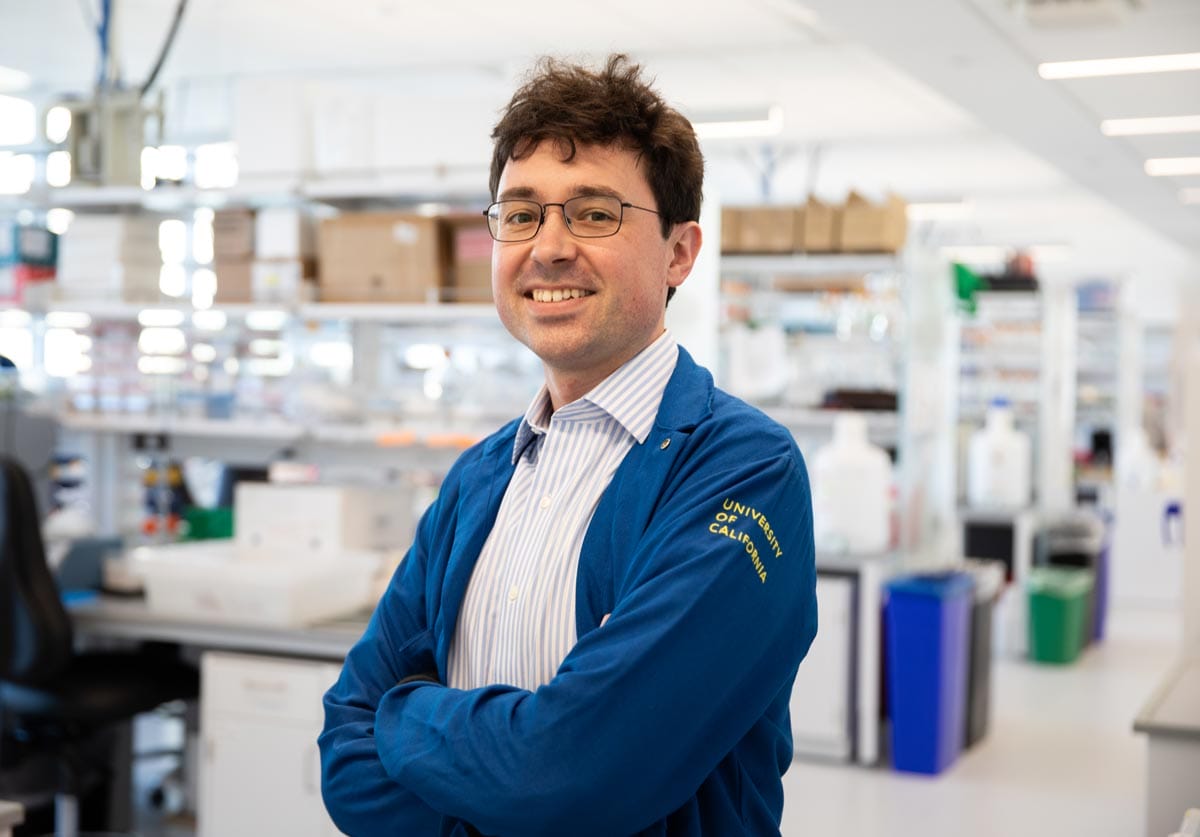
(1060, 757)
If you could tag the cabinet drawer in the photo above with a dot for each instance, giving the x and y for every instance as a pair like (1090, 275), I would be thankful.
(263, 686)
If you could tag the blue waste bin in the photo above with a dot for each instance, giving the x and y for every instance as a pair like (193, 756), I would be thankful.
(928, 620)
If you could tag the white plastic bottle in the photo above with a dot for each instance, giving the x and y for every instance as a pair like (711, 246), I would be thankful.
(999, 463)
(852, 486)
(1138, 466)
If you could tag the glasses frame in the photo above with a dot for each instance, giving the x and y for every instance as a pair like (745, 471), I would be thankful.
(487, 213)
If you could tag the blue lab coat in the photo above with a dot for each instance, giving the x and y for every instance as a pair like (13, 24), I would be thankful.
(672, 718)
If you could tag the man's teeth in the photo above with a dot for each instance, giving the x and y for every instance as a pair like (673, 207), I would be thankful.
(558, 294)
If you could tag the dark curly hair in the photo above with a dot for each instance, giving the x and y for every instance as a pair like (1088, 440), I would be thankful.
(571, 104)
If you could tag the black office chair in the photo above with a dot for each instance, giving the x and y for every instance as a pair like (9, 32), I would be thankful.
(50, 693)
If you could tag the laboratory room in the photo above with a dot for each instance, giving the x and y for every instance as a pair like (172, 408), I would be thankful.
(868, 333)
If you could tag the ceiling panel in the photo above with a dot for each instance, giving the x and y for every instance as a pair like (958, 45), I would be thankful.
(927, 96)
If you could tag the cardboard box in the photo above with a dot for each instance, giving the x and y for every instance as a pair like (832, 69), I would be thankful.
(235, 280)
(379, 257)
(731, 224)
(281, 281)
(233, 234)
(467, 258)
(873, 228)
(768, 229)
(283, 232)
(818, 227)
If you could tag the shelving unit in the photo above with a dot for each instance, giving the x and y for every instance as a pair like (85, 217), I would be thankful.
(1000, 356)
(842, 323)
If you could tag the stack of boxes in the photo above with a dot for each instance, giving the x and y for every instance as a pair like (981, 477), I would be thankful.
(467, 259)
(110, 257)
(233, 255)
(400, 257)
(284, 266)
(858, 226)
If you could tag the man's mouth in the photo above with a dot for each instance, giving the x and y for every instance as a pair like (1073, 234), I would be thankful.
(558, 294)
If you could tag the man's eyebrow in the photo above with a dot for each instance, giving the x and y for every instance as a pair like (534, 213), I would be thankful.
(516, 193)
(528, 193)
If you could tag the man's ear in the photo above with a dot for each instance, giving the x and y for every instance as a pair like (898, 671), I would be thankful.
(685, 241)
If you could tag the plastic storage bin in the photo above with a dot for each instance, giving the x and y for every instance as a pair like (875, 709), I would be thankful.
(928, 619)
(1058, 613)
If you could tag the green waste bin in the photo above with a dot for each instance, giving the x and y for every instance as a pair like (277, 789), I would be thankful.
(1058, 611)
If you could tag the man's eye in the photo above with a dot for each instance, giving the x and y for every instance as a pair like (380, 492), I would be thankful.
(520, 217)
(596, 215)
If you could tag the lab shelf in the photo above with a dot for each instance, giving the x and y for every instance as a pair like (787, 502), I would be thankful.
(816, 266)
(268, 429)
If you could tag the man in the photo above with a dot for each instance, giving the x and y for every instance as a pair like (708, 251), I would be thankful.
(599, 622)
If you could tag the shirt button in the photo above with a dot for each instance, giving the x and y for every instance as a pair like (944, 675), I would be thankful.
(513, 592)
(545, 504)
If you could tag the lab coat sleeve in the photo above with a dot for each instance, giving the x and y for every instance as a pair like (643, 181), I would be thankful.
(713, 615)
(360, 796)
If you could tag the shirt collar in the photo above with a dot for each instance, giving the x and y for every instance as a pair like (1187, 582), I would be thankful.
(631, 395)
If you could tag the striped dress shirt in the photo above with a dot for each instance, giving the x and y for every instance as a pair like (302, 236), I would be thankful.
(517, 622)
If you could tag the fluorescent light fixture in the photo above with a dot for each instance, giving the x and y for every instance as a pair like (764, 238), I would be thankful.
(204, 353)
(14, 318)
(210, 320)
(1120, 66)
(58, 220)
(58, 123)
(266, 320)
(760, 123)
(160, 317)
(13, 79)
(158, 365)
(18, 121)
(1172, 166)
(1150, 125)
(68, 319)
(1191, 195)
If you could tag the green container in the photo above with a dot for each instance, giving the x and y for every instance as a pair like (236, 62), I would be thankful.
(1058, 610)
(208, 524)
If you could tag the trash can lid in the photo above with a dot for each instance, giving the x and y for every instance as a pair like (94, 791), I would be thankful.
(941, 585)
(988, 576)
(1060, 581)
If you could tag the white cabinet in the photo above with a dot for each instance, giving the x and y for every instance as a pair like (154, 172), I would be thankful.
(260, 768)
(822, 698)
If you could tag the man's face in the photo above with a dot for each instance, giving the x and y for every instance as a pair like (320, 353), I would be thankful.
(618, 284)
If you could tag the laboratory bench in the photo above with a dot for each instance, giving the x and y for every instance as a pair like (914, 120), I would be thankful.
(1171, 721)
(130, 618)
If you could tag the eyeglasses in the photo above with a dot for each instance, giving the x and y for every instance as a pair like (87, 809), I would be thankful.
(586, 216)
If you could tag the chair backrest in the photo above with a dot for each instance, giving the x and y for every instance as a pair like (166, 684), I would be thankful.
(35, 630)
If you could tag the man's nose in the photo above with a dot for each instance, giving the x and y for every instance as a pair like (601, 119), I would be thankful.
(554, 241)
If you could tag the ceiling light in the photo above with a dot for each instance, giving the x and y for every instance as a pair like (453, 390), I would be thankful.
(760, 123)
(939, 210)
(1169, 166)
(1120, 66)
(1190, 195)
(1150, 125)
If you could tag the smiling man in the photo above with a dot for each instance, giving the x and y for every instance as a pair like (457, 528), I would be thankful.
(599, 622)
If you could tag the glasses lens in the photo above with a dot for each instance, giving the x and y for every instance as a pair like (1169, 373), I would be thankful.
(593, 216)
(514, 220)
